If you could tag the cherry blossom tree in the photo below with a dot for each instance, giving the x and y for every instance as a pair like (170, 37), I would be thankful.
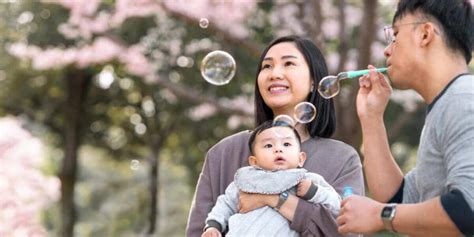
(91, 28)
(26, 191)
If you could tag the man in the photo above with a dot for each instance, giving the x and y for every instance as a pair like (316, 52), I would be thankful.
(430, 47)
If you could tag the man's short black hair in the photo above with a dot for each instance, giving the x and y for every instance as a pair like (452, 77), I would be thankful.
(455, 17)
(266, 125)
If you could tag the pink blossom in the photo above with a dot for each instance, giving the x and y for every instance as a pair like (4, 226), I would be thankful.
(202, 111)
(133, 8)
(85, 22)
(234, 12)
(29, 190)
(22, 50)
(102, 50)
(135, 61)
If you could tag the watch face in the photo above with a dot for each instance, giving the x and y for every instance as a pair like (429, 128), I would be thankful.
(386, 211)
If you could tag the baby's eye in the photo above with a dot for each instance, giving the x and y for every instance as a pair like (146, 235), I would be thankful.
(268, 146)
(286, 144)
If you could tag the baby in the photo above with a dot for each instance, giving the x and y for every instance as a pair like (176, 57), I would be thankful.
(275, 169)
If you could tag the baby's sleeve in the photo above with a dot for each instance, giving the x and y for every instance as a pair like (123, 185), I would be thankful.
(225, 207)
(325, 194)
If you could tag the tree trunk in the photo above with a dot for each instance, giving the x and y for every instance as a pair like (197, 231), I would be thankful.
(154, 187)
(343, 47)
(77, 84)
(313, 21)
(348, 128)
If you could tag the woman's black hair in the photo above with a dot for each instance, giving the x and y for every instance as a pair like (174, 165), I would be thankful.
(324, 124)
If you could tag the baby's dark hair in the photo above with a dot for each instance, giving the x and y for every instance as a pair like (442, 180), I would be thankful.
(266, 125)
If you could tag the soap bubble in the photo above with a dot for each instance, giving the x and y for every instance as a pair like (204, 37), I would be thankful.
(328, 87)
(203, 23)
(134, 165)
(218, 67)
(305, 112)
(282, 123)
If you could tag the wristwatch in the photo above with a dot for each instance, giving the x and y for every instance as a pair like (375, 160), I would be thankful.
(387, 215)
(282, 199)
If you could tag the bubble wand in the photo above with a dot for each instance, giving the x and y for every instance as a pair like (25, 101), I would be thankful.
(329, 85)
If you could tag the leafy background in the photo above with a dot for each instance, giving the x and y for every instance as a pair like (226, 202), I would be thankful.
(106, 98)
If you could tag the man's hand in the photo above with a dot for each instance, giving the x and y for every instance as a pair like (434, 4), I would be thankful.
(251, 201)
(303, 187)
(360, 215)
(373, 96)
(211, 232)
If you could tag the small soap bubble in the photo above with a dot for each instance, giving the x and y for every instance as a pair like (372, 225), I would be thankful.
(204, 23)
(134, 165)
(305, 112)
(328, 87)
(282, 123)
(218, 67)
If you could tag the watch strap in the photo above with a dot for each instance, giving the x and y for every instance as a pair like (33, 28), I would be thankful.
(281, 200)
(387, 215)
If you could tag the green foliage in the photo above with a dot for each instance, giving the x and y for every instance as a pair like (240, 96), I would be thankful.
(113, 200)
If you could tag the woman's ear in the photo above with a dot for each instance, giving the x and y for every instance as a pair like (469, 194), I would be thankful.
(252, 160)
(302, 158)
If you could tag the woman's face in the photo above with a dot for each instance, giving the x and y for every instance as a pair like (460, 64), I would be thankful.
(284, 78)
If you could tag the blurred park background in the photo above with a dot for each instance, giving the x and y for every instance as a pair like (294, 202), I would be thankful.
(105, 119)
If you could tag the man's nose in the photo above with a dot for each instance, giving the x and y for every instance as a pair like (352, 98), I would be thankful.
(388, 50)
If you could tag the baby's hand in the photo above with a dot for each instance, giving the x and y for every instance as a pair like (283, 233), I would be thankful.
(303, 187)
(211, 232)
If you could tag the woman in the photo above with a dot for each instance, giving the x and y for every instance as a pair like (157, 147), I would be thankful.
(289, 71)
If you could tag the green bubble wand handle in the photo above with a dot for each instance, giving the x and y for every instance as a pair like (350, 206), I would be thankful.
(352, 74)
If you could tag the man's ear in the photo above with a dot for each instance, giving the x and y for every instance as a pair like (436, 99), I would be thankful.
(252, 160)
(302, 158)
(428, 33)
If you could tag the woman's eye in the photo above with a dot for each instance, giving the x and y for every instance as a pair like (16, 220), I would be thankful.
(289, 63)
(265, 66)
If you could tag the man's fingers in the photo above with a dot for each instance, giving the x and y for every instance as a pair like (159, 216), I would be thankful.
(364, 81)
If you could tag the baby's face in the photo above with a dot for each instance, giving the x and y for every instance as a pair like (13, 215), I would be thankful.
(272, 152)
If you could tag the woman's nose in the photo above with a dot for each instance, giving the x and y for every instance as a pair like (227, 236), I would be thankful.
(276, 73)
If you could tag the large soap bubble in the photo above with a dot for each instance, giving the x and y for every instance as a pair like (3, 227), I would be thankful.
(305, 112)
(218, 67)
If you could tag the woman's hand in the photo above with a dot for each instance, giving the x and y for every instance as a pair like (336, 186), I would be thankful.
(373, 96)
(251, 201)
(211, 232)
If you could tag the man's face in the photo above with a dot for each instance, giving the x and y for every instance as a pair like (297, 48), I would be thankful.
(402, 54)
(274, 152)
